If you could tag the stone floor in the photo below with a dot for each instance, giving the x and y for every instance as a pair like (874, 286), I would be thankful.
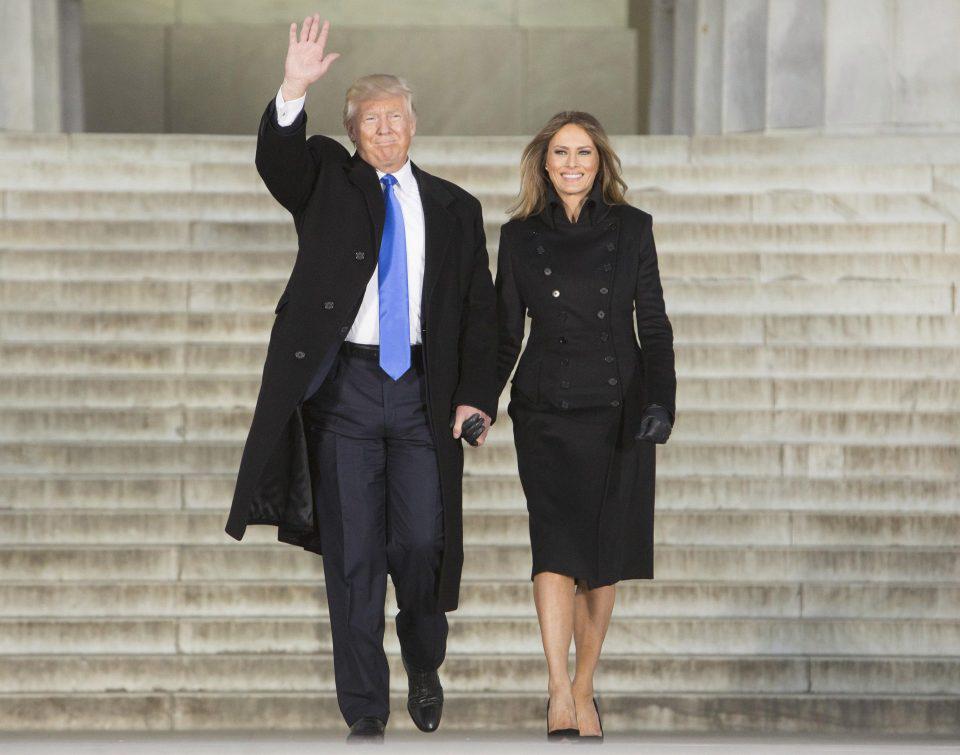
(135, 743)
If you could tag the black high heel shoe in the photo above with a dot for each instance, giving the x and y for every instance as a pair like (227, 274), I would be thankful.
(594, 738)
(558, 735)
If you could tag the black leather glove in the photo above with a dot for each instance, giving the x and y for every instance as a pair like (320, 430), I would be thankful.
(471, 429)
(655, 426)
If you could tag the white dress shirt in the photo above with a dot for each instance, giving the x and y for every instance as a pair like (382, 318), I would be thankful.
(366, 326)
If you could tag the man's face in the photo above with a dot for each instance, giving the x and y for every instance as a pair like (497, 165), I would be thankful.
(382, 131)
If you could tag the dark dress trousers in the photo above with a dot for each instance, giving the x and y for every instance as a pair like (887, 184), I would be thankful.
(583, 382)
(290, 472)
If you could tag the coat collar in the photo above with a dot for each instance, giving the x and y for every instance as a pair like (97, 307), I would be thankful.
(438, 222)
(554, 214)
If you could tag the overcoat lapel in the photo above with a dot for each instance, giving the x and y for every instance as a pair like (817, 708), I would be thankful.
(438, 226)
(363, 175)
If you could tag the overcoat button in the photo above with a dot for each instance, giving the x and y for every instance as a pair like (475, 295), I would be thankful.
(344, 329)
(561, 339)
(608, 359)
(299, 355)
(604, 290)
(611, 246)
(601, 314)
(547, 271)
(564, 383)
(555, 293)
(540, 250)
(564, 404)
(359, 255)
(607, 267)
(613, 381)
(328, 305)
(604, 336)
(564, 362)
(614, 403)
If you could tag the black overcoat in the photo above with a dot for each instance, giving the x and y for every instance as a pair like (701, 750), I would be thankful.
(585, 287)
(338, 210)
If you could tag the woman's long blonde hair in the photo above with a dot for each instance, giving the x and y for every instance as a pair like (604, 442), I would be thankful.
(533, 172)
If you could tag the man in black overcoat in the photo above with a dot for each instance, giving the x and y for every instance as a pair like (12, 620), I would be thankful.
(355, 448)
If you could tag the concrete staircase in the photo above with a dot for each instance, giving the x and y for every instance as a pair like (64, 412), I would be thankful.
(808, 569)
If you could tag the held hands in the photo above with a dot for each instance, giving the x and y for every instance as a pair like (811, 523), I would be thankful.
(471, 424)
(306, 62)
(655, 426)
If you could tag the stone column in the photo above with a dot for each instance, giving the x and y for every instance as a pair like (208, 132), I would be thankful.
(40, 71)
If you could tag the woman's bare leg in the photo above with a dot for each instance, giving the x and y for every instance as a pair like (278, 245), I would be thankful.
(592, 611)
(553, 595)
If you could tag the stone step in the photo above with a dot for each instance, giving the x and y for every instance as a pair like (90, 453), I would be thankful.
(778, 297)
(501, 176)
(502, 527)
(281, 235)
(273, 267)
(165, 492)
(839, 563)
(222, 423)
(483, 713)
(313, 673)
(482, 598)
(679, 457)
(781, 148)
(722, 205)
(689, 328)
(696, 635)
(700, 361)
(147, 391)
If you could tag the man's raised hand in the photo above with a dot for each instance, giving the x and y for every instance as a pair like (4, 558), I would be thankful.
(306, 62)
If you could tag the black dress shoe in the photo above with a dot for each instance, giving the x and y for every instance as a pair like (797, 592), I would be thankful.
(367, 728)
(558, 735)
(425, 697)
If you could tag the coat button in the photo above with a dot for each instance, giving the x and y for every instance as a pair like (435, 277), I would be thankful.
(564, 383)
(562, 339)
(359, 255)
(541, 250)
(604, 336)
(601, 314)
(604, 290)
(611, 246)
(555, 293)
(608, 359)
(328, 305)
(564, 404)
(607, 267)
(299, 355)
(564, 362)
(344, 329)
(614, 403)
(613, 381)
(547, 271)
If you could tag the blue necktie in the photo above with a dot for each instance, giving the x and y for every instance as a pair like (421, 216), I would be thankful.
(392, 278)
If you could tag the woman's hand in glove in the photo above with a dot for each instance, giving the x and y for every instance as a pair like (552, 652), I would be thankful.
(655, 426)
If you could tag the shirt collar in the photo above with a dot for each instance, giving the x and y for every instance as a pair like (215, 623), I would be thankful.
(595, 207)
(404, 175)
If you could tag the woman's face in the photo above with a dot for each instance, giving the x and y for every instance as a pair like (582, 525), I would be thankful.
(572, 162)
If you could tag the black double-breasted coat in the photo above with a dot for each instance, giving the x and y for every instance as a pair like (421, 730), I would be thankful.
(338, 210)
(584, 380)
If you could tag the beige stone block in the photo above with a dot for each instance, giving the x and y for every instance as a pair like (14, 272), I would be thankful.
(124, 68)
(350, 12)
(459, 96)
(558, 78)
(573, 13)
(112, 12)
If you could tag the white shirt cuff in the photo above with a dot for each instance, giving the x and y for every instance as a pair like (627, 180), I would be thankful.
(287, 112)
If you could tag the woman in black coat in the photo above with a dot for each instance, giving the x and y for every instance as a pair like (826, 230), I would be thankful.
(588, 402)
